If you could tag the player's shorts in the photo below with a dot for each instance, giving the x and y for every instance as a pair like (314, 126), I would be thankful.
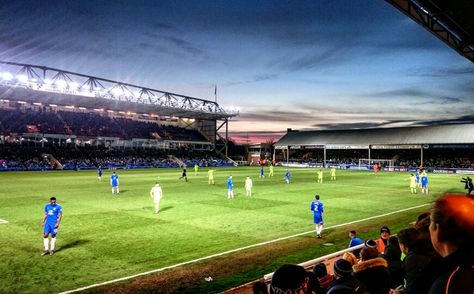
(318, 219)
(50, 229)
(114, 185)
(424, 185)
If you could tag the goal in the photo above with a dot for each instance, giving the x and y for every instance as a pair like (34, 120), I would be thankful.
(384, 163)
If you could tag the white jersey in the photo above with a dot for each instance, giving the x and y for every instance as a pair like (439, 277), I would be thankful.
(248, 184)
(156, 193)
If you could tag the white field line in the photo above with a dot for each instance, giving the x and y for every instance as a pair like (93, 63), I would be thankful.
(2, 221)
(234, 250)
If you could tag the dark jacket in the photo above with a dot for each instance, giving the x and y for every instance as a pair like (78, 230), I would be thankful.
(417, 279)
(455, 273)
(395, 268)
(373, 274)
(344, 285)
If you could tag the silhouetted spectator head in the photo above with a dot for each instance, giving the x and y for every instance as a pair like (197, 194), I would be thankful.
(289, 278)
(368, 253)
(320, 270)
(342, 268)
(452, 223)
(259, 287)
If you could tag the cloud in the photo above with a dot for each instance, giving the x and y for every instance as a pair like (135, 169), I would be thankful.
(253, 79)
(443, 72)
(323, 59)
(465, 119)
(445, 101)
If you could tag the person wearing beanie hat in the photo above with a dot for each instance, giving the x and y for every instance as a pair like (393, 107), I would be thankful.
(370, 243)
(289, 278)
(344, 282)
(382, 242)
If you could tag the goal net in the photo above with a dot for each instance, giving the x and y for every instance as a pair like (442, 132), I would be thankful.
(383, 163)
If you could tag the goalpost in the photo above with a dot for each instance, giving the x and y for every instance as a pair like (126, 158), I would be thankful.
(366, 162)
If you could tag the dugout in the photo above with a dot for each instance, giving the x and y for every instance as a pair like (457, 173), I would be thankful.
(421, 144)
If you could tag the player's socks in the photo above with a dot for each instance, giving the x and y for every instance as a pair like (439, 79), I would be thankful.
(53, 244)
(46, 244)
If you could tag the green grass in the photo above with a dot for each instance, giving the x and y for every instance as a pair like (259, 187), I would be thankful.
(103, 237)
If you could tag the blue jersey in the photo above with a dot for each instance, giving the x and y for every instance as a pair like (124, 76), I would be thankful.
(261, 171)
(99, 171)
(52, 213)
(230, 183)
(424, 180)
(318, 209)
(287, 175)
(417, 177)
(114, 180)
(355, 241)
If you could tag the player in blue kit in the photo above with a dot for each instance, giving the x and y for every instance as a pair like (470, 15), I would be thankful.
(114, 182)
(287, 176)
(318, 209)
(230, 188)
(53, 214)
(262, 174)
(424, 183)
(99, 173)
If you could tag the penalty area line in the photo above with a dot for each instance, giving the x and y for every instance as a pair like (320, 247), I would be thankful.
(235, 250)
(2, 221)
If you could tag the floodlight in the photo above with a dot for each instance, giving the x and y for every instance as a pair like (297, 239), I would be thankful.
(117, 91)
(73, 86)
(7, 76)
(61, 84)
(22, 78)
(48, 81)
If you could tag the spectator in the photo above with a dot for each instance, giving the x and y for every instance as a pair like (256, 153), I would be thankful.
(372, 271)
(382, 242)
(289, 278)
(349, 256)
(416, 262)
(259, 287)
(321, 273)
(452, 235)
(344, 280)
(354, 242)
(393, 256)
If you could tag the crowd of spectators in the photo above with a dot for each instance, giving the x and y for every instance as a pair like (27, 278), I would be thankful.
(433, 256)
(89, 125)
(14, 157)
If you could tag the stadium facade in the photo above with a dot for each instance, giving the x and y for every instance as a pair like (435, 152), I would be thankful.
(45, 88)
(417, 139)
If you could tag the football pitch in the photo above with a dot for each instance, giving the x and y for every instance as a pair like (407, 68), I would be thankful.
(104, 237)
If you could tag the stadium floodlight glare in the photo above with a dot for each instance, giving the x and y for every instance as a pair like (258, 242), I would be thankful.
(82, 108)
(53, 105)
(37, 103)
(61, 84)
(22, 78)
(117, 92)
(7, 76)
(21, 102)
(48, 81)
(73, 86)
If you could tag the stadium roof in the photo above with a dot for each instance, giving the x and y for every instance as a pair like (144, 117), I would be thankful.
(450, 20)
(45, 85)
(441, 134)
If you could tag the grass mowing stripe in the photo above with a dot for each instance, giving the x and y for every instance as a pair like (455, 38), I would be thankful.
(235, 250)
